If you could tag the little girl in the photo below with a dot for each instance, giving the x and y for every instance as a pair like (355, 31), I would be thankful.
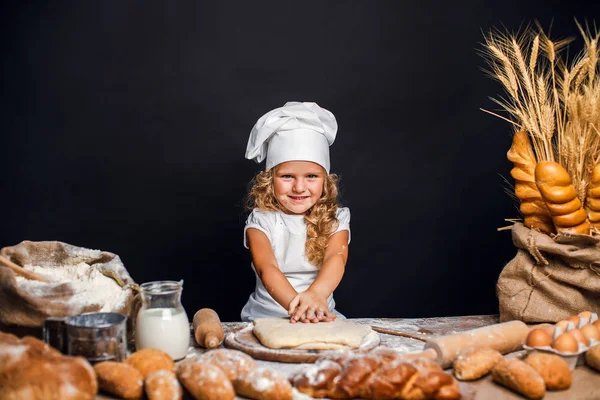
(297, 236)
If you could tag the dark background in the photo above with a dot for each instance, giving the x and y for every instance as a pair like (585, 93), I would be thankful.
(124, 126)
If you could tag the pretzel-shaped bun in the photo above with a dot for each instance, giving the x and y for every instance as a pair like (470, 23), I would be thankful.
(534, 210)
(557, 190)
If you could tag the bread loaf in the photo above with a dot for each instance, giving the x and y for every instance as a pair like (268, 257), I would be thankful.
(375, 376)
(553, 369)
(534, 210)
(592, 202)
(163, 385)
(474, 363)
(149, 360)
(30, 369)
(120, 379)
(557, 190)
(263, 384)
(520, 377)
(204, 381)
(592, 357)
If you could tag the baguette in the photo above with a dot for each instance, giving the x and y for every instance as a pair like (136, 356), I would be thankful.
(474, 363)
(520, 377)
(553, 369)
(557, 190)
(535, 213)
(592, 202)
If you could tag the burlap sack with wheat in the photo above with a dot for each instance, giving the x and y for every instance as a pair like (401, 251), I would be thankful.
(549, 279)
(23, 308)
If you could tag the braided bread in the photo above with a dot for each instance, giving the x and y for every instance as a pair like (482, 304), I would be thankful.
(380, 374)
(534, 210)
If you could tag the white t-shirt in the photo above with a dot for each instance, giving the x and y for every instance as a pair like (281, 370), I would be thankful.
(287, 234)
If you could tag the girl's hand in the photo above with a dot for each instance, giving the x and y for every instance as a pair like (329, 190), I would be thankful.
(309, 307)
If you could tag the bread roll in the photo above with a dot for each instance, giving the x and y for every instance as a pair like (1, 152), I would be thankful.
(592, 202)
(474, 363)
(204, 381)
(32, 370)
(263, 384)
(534, 210)
(149, 360)
(592, 357)
(232, 362)
(520, 377)
(557, 190)
(163, 385)
(552, 368)
(120, 379)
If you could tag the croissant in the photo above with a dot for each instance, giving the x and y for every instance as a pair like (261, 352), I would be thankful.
(375, 375)
(592, 202)
(534, 210)
(560, 196)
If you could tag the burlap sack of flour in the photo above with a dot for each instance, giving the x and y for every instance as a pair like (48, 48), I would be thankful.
(549, 279)
(82, 280)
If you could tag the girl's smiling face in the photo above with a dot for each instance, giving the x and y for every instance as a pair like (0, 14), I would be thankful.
(298, 185)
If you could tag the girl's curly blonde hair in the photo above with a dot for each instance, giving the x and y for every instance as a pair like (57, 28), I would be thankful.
(321, 219)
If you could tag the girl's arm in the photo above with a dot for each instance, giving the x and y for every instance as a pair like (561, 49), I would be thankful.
(267, 269)
(307, 304)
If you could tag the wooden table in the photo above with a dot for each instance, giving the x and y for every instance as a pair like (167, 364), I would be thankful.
(586, 382)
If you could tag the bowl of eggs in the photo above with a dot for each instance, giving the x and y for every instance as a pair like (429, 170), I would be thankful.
(569, 338)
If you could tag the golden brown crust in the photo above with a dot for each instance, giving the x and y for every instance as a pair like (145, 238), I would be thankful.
(557, 190)
(552, 368)
(120, 379)
(592, 357)
(317, 380)
(520, 377)
(204, 381)
(232, 362)
(533, 208)
(368, 376)
(29, 366)
(592, 202)
(263, 384)
(163, 385)
(149, 360)
(474, 363)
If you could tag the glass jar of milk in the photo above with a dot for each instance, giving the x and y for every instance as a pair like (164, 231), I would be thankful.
(162, 323)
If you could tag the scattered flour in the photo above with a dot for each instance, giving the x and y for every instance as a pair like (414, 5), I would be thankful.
(89, 286)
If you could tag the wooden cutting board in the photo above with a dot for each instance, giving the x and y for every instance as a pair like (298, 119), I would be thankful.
(244, 340)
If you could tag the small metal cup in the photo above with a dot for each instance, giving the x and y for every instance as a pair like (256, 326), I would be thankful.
(97, 336)
(55, 333)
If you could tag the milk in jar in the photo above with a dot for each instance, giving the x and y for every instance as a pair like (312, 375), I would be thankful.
(162, 323)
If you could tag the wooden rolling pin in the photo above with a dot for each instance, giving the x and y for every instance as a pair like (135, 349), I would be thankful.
(208, 330)
(505, 337)
(22, 271)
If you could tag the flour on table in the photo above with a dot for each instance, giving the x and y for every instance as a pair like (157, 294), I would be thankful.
(90, 286)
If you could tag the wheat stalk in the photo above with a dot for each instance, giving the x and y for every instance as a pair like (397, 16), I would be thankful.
(556, 102)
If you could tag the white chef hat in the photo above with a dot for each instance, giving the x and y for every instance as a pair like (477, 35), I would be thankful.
(295, 132)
